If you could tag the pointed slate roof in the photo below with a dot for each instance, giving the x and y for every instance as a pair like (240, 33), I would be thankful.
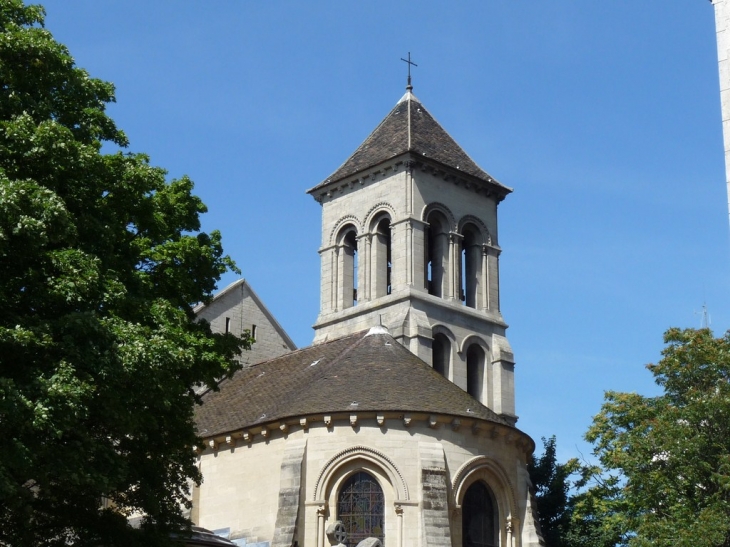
(357, 373)
(409, 127)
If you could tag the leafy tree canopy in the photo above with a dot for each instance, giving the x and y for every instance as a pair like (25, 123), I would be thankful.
(551, 481)
(101, 262)
(666, 459)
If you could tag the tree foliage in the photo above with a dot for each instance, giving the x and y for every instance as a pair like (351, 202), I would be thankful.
(666, 459)
(551, 481)
(101, 261)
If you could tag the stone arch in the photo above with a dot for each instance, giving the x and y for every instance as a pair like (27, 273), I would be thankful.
(474, 339)
(443, 349)
(379, 267)
(493, 475)
(348, 265)
(481, 227)
(472, 266)
(478, 374)
(376, 211)
(341, 223)
(438, 328)
(437, 206)
(333, 470)
(438, 261)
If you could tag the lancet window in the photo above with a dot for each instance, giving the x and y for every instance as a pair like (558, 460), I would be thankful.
(479, 517)
(361, 508)
(441, 348)
(475, 361)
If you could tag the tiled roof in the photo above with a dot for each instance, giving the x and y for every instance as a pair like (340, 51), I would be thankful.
(418, 133)
(357, 373)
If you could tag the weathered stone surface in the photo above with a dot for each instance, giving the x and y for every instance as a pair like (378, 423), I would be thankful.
(289, 493)
(434, 494)
(370, 542)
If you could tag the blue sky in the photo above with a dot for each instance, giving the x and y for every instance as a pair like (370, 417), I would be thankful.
(603, 116)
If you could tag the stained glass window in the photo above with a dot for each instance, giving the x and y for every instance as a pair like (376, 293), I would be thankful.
(361, 508)
(478, 517)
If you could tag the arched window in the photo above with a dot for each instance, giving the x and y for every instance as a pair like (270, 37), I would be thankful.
(361, 508)
(381, 259)
(478, 517)
(437, 254)
(475, 371)
(348, 266)
(441, 358)
(471, 261)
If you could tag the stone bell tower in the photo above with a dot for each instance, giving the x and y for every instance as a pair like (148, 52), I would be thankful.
(409, 240)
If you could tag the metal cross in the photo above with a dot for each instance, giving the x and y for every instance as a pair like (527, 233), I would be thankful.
(409, 68)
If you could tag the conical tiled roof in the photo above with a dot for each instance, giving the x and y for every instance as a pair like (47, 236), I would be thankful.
(357, 373)
(409, 127)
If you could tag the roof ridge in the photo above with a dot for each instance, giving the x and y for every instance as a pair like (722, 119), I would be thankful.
(408, 128)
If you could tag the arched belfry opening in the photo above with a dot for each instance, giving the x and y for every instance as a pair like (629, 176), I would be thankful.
(479, 517)
(441, 354)
(437, 254)
(347, 267)
(381, 262)
(471, 266)
(475, 372)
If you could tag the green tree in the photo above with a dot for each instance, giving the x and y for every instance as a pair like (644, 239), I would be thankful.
(596, 510)
(551, 481)
(101, 261)
(667, 458)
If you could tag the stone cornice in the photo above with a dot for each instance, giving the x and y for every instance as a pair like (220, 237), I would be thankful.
(490, 188)
(265, 432)
(384, 302)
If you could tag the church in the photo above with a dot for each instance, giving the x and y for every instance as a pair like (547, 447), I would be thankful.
(398, 422)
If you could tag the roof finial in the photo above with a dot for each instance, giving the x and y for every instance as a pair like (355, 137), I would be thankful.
(409, 87)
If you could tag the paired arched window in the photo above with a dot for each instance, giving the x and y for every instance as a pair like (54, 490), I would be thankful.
(441, 354)
(479, 517)
(361, 508)
(475, 361)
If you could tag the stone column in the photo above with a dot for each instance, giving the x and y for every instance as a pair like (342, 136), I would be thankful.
(454, 266)
(416, 251)
(336, 282)
(493, 272)
(484, 280)
(365, 265)
(321, 513)
(399, 516)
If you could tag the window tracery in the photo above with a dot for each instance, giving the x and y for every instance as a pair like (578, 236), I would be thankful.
(361, 508)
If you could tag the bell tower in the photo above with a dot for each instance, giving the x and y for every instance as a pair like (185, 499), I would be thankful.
(409, 241)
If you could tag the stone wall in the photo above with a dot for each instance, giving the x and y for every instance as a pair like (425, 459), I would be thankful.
(421, 462)
(239, 307)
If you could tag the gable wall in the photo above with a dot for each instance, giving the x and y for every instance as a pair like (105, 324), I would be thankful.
(240, 306)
